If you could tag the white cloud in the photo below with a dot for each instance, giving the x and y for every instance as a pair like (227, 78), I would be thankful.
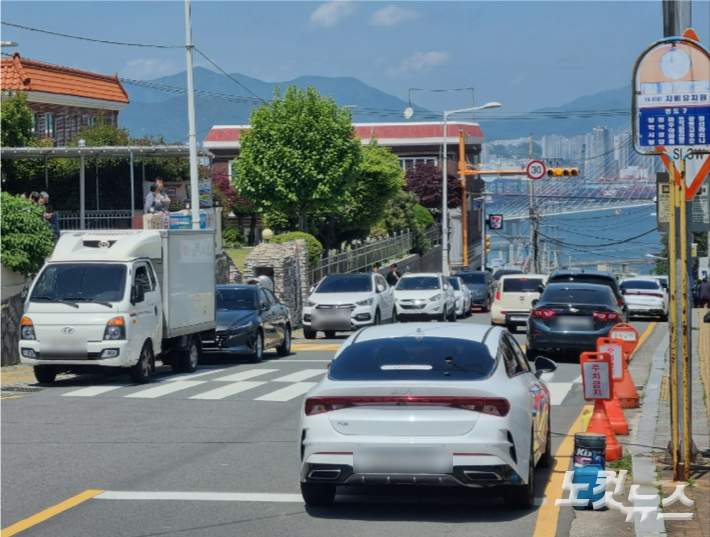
(420, 61)
(331, 13)
(148, 68)
(391, 15)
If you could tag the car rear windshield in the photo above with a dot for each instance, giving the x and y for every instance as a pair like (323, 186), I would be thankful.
(235, 299)
(418, 283)
(473, 277)
(521, 285)
(640, 284)
(596, 279)
(455, 283)
(576, 296)
(411, 359)
(81, 282)
(356, 283)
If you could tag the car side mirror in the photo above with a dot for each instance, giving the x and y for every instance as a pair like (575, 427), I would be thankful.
(544, 365)
(623, 291)
(380, 288)
(540, 288)
(25, 292)
(265, 305)
(534, 302)
(311, 289)
(138, 294)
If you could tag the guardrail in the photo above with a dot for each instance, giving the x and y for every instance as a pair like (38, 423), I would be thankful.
(364, 257)
(95, 220)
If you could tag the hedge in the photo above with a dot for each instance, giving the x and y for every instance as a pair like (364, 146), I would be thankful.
(315, 248)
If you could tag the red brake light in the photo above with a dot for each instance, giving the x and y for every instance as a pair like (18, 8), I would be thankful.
(495, 406)
(620, 301)
(543, 313)
(606, 316)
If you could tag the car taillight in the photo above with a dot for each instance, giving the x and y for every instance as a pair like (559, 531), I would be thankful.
(606, 316)
(620, 301)
(543, 313)
(495, 406)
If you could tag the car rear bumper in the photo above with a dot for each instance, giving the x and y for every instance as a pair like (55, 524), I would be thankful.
(541, 338)
(651, 309)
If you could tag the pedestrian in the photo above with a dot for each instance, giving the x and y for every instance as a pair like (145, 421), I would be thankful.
(43, 198)
(704, 293)
(376, 268)
(696, 294)
(151, 201)
(161, 196)
(393, 277)
(34, 196)
(52, 221)
(23, 195)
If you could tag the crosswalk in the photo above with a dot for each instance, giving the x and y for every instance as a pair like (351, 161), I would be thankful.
(282, 382)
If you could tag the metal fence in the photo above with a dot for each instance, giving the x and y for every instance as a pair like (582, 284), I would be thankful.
(95, 220)
(364, 257)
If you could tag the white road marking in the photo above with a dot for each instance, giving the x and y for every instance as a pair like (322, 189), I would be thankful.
(93, 390)
(578, 380)
(200, 496)
(298, 376)
(158, 391)
(189, 376)
(245, 375)
(558, 391)
(225, 391)
(280, 360)
(287, 393)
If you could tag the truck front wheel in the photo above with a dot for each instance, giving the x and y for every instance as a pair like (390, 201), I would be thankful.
(190, 357)
(141, 372)
(45, 374)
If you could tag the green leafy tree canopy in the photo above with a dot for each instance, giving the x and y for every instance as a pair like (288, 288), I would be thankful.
(300, 155)
(16, 120)
(26, 237)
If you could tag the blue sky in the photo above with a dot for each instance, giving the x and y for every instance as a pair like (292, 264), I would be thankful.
(525, 55)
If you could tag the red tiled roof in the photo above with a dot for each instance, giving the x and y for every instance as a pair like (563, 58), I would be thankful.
(29, 75)
(384, 131)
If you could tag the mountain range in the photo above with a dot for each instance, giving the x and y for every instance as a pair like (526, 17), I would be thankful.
(159, 106)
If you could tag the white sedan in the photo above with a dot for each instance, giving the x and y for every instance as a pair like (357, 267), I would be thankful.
(645, 297)
(427, 404)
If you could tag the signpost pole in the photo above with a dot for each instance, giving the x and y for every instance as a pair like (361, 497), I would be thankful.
(684, 325)
(673, 324)
(464, 197)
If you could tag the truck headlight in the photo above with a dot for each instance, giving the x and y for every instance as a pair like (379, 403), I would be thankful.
(115, 329)
(28, 330)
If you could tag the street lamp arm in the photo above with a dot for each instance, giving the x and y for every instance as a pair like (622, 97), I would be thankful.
(472, 109)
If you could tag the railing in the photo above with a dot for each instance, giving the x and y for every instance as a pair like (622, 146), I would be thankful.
(364, 257)
(95, 220)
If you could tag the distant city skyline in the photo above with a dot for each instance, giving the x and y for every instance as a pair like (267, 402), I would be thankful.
(526, 55)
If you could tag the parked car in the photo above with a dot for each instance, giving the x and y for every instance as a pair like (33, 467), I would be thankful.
(427, 405)
(425, 296)
(645, 297)
(250, 320)
(462, 295)
(513, 300)
(482, 287)
(570, 317)
(345, 302)
(593, 277)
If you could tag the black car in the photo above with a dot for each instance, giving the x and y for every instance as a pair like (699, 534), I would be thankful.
(250, 320)
(596, 278)
(570, 317)
(504, 272)
(482, 287)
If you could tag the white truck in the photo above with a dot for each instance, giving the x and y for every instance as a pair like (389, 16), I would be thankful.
(120, 299)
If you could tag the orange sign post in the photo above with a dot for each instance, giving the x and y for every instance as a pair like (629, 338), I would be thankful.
(614, 348)
(597, 381)
(626, 389)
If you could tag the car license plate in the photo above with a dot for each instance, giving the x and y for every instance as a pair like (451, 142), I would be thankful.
(404, 459)
(572, 324)
(519, 318)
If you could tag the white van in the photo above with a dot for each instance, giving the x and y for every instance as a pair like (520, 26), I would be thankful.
(120, 299)
(513, 300)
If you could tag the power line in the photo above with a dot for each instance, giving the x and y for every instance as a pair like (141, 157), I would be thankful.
(90, 39)
(228, 75)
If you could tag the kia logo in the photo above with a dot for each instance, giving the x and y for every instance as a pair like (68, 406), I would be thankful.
(67, 330)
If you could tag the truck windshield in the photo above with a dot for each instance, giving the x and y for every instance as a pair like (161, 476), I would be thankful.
(81, 282)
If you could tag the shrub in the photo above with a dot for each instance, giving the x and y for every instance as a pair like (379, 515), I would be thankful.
(315, 248)
(420, 244)
(378, 233)
(232, 236)
(423, 216)
(26, 237)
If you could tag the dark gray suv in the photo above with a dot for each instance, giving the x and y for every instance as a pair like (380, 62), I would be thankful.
(482, 287)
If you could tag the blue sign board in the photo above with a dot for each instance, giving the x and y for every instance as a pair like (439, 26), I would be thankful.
(184, 221)
(674, 125)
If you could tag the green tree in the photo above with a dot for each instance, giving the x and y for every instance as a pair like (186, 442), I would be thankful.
(26, 237)
(16, 120)
(299, 157)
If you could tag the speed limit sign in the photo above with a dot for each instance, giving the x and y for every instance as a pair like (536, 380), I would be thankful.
(536, 169)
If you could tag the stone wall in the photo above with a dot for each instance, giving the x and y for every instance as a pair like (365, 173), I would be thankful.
(11, 315)
(289, 265)
(226, 271)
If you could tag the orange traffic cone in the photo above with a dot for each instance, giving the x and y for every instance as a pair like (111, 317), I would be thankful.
(616, 415)
(600, 424)
(626, 389)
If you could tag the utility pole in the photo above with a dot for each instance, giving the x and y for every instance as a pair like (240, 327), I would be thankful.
(534, 235)
(194, 187)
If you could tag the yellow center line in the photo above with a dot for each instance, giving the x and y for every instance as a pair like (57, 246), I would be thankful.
(11, 396)
(22, 525)
(643, 337)
(548, 513)
(18, 379)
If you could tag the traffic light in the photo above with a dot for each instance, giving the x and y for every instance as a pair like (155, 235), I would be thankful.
(562, 172)
(488, 244)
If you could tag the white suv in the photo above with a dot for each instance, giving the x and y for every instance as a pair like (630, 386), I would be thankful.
(514, 297)
(425, 296)
(343, 302)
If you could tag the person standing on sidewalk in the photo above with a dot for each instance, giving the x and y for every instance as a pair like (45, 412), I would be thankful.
(394, 276)
(704, 293)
